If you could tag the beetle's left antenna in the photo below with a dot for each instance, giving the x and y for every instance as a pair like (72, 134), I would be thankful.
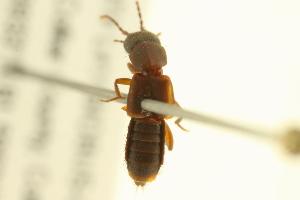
(115, 22)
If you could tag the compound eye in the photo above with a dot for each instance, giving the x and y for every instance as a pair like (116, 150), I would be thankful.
(134, 38)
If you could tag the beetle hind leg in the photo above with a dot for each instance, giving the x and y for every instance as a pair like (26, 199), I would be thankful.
(177, 122)
(169, 137)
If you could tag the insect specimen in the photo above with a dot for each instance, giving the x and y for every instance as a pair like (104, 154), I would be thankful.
(147, 132)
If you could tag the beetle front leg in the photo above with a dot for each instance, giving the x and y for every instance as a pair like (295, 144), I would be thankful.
(123, 81)
(131, 68)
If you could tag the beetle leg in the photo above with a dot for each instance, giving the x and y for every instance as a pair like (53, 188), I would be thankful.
(131, 68)
(123, 81)
(169, 137)
(177, 121)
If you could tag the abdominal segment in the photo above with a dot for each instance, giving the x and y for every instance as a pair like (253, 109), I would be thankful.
(145, 148)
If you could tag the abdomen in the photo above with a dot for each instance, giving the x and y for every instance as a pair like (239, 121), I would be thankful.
(145, 148)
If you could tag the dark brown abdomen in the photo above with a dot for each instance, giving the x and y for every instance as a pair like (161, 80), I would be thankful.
(145, 148)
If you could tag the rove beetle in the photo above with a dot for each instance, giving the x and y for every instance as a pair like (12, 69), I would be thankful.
(147, 132)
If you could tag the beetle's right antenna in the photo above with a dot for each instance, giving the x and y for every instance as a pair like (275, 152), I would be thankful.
(140, 15)
(114, 21)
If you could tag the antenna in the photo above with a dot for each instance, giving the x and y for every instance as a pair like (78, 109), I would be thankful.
(140, 15)
(115, 22)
